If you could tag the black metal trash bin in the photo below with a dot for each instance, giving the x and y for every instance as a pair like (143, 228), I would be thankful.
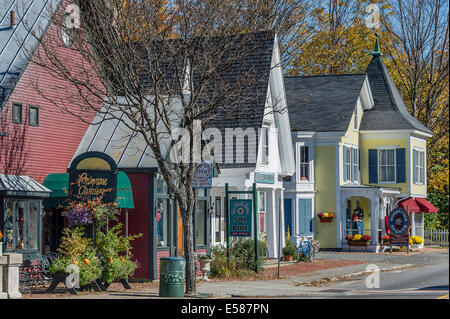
(171, 276)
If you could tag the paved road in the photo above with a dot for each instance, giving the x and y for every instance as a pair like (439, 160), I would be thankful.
(424, 282)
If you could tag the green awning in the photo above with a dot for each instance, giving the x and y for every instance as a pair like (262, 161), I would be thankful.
(59, 184)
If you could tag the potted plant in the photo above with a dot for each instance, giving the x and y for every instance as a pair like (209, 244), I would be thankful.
(289, 251)
(205, 265)
(416, 242)
(325, 217)
(385, 240)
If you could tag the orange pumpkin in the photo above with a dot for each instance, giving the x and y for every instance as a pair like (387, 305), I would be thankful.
(86, 261)
(75, 262)
(121, 258)
(110, 260)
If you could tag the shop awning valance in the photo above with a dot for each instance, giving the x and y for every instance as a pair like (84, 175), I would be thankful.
(59, 184)
(417, 204)
(15, 185)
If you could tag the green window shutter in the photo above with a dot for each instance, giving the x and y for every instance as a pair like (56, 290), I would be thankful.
(373, 166)
(401, 165)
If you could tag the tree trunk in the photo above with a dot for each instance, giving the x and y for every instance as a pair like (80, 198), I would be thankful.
(189, 252)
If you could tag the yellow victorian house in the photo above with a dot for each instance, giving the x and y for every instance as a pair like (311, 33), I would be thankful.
(359, 154)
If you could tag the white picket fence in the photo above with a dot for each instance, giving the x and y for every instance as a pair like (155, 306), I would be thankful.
(435, 237)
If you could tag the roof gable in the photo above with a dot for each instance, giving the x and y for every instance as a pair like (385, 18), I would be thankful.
(389, 111)
(322, 103)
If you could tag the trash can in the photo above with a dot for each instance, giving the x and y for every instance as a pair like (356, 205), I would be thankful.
(171, 276)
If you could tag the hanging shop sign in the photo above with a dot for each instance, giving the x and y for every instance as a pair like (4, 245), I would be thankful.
(265, 178)
(398, 221)
(93, 175)
(203, 175)
(240, 217)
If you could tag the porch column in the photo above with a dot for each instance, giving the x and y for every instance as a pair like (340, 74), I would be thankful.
(413, 223)
(373, 219)
(280, 204)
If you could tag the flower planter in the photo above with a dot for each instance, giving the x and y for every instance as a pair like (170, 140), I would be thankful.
(288, 257)
(326, 219)
(205, 267)
(357, 243)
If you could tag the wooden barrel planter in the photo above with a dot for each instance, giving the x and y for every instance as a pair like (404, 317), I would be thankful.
(357, 243)
(326, 219)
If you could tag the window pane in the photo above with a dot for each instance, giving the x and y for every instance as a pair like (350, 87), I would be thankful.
(20, 225)
(218, 217)
(9, 226)
(32, 221)
(34, 116)
(391, 155)
(390, 173)
(162, 225)
(262, 222)
(17, 113)
(383, 157)
(201, 222)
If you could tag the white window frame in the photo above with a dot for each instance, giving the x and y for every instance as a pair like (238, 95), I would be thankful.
(355, 164)
(348, 163)
(419, 166)
(265, 138)
(300, 163)
(387, 148)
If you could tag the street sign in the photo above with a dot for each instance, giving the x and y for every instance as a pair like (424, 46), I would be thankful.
(264, 178)
(240, 217)
(398, 221)
(203, 175)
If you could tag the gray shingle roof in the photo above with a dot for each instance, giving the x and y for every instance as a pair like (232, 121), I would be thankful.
(17, 42)
(129, 151)
(322, 103)
(389, 111)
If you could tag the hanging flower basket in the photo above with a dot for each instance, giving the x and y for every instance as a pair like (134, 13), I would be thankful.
(325, 217)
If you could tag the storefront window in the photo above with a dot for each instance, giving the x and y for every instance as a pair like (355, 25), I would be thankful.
(218, 219)
(32, 223)
(201, 222)
(9, 226)
(20, 225)
(162, 226)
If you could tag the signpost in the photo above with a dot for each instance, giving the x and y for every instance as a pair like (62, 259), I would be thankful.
(239, 218)
(398, 221)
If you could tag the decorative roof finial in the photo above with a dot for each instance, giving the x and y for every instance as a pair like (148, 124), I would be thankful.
(376, 52)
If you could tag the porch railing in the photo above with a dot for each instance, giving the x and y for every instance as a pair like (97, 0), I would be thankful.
(435, 237)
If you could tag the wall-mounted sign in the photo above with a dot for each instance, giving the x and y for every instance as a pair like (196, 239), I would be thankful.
(203, 175)
(240, 217)
(398, 221)
(92, 175)
(265, 178)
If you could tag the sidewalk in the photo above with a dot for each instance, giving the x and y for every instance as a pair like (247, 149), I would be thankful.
(296, 279)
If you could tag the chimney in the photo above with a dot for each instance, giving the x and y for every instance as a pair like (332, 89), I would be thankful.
(13, 18)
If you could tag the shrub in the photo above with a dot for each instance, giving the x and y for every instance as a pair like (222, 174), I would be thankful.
(242, 259)
(290, 249)
(114, 251)
(74, 249)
